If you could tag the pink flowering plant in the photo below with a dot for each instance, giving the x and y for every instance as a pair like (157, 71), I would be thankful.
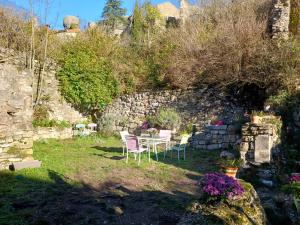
(220, 187)
(295, 178)
(294, 186)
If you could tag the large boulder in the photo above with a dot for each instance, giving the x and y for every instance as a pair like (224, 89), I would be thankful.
(245, 211)
(71, 22)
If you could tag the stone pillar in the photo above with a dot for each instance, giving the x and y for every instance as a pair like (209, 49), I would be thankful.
(280, 19)
(258, 140)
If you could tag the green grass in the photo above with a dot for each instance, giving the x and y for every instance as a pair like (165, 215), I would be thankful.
(87, 181)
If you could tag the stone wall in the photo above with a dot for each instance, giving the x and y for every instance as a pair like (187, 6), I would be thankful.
(45, 133)
(258, 142)
(59, 109)
(280, 19)
(195, 106)
(16, 115)
(216, 137)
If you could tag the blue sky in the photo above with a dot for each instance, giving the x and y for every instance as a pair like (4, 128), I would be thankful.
(87, 10)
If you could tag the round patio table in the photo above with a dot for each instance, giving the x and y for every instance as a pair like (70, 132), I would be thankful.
(153, 140)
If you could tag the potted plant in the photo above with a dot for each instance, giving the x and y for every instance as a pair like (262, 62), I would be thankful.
(220, 187)
(256, 117)
(231, 166)
(152, 132)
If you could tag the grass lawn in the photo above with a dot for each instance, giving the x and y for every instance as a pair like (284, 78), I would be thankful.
(87, 181)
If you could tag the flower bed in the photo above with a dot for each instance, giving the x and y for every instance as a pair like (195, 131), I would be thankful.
(218, 186)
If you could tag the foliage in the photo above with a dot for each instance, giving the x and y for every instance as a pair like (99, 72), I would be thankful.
(295, 178)
(165, 118)
(51, 123)
(86, 75)
(257, 113)
(41, 112)
(145, 23)
(294, 186)
(113, 14)
(231, 162)
(107, 124)
(14, 29)
(220, 187)
(294, 17)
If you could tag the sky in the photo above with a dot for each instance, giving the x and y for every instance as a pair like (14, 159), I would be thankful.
(86, 10)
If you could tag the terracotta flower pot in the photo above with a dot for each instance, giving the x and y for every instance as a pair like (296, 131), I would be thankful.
(256, 119)
(297, 203)
(231, 171)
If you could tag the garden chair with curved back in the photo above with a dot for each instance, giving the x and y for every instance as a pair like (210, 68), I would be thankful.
(133, 146)
(181, 146)
(123, 137)
(166, 135)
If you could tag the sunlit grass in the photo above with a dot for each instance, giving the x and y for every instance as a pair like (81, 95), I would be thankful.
(95, 162)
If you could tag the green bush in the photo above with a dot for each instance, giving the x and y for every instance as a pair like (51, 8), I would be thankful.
(86, 76)
(51, 123)
(165, 118)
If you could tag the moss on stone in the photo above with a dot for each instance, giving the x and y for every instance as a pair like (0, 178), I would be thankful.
(244, 211)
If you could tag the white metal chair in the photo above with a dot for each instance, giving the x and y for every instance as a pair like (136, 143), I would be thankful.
(133, 146)
(123, 137)
(181, 146)
(166, 138)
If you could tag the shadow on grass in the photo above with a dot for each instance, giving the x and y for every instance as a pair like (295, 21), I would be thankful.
(27, 201)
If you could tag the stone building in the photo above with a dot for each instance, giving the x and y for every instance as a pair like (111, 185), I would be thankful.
(185, 11)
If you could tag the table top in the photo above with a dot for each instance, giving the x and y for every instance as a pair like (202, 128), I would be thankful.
(153, 138)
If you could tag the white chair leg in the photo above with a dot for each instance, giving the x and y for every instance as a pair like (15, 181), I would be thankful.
(134, 156)
(156, 153)
(123, 150)
(139, 158)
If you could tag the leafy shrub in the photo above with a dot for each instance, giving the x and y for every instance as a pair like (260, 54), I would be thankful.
(107, 124)
(86, 76)
(51, 123)
(220, 187)
(165, 118)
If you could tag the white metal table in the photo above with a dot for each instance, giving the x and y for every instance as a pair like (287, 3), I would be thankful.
(152, 140)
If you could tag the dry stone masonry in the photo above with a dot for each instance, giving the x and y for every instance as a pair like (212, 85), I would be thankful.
(16, 115)
(216, 137)
(51, 132)
(195, 106)
(258, 142)
(280, 19)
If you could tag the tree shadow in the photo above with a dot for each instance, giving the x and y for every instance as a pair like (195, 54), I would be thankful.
(60, 200)
(109, 149)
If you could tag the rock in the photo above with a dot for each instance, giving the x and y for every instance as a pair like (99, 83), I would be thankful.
(71, 22)
(267, 183)
(227, 155)
(245, 211)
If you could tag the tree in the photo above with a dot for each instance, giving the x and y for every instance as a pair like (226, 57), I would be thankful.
(145, 20)
(113, 14)
(138, 23)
